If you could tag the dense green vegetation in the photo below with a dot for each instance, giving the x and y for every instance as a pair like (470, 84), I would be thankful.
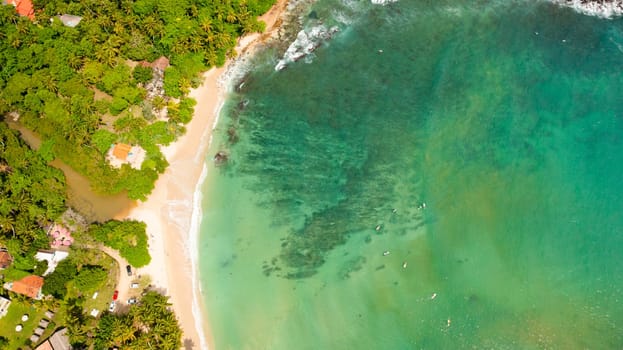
(148, 325)
(32, 194)
(56, 282)
(83, 89)
(128, 237)
(76, 88)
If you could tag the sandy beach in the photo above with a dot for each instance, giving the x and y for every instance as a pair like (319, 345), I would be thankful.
(172, 212)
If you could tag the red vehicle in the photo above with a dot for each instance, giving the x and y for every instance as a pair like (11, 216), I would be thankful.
(115, 295)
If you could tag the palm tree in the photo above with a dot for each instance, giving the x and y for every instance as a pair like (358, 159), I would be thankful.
(206, 24)
(74, 61)
(7, 224)
(231, 17)
(153, 27)
(5, 167)
(195, 44)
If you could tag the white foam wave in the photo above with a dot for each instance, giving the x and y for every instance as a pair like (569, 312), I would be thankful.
(383, 2)
(193, 242)
(603, 9)
(225, 80)
(307, 41)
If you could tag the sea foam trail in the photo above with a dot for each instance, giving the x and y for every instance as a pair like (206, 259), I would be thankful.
(195, 224)
(605, 9)
(383, 2)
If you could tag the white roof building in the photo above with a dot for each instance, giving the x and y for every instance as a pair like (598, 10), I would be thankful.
(53, 257)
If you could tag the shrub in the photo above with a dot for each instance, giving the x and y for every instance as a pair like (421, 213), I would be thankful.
(103, 139)
(128, 237)
(142, 74)
(117, 105)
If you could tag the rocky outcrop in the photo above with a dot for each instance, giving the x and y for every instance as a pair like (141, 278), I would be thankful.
(306, 42)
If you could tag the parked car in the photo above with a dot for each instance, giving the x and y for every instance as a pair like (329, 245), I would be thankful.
(115, 295)
(128, 268)
(134, 285)
(131, 301)
(112, 306)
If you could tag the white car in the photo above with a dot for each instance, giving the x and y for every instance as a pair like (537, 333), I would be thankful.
(112, 306)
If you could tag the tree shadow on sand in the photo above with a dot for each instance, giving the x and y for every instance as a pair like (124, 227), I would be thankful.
(188, 344)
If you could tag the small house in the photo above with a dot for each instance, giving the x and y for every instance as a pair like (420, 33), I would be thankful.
(58, 341)
(23, 7)
(121, 153)
(29, 286)
(53, 257)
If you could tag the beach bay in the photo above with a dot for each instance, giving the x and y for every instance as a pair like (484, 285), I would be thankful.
(434, 175)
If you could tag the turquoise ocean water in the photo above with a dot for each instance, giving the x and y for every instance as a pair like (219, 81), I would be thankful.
(438, 175)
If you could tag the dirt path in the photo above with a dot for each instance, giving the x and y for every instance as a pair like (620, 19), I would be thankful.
(123, 286)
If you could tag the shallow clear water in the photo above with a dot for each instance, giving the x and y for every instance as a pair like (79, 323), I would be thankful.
(478, 144)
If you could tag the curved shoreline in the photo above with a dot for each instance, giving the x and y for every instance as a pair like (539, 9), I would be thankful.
(173, 213)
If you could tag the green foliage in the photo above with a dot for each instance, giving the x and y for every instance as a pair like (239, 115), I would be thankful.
(115, 78)
(161, 133)
(4, 342)
(128, 237)
(103, 140)
(46, 150)
(31, 191)
(150, 324)
(129, 93)
(90, 278)
(93, 71)
(172, 80)
(142, 74)
(56, 282)
(118, 105)
(48, 73)
(41, 267)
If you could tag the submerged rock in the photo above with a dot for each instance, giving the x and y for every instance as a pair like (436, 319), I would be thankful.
(221, 157)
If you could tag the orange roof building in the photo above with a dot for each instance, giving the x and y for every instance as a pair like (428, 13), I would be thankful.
(29, 286)
(121, 151)
(23, 7)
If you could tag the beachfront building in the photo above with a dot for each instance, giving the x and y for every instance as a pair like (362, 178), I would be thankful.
(23, 7)
(29, 286)
(5, 259)
(58, 341)
(121, 153)
(4, 306)
(53, 257)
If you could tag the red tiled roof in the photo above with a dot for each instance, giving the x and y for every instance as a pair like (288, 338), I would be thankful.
(29, 286)
(23, 7)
